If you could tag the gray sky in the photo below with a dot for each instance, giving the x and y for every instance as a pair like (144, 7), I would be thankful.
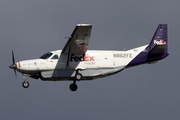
(34, 27)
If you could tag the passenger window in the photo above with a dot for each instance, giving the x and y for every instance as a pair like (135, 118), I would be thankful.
(55, 57)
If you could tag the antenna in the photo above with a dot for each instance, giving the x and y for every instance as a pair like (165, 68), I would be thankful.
(67, 37)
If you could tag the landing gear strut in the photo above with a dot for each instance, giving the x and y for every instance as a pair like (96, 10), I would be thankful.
(25, 84)
(73, 86)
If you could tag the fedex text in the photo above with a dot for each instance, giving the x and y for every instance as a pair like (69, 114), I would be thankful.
(84, 57)
(159, 42)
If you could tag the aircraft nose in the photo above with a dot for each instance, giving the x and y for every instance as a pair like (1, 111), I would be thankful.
(13, 66)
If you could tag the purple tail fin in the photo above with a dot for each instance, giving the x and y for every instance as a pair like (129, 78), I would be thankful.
(159, 41)
(156, 50)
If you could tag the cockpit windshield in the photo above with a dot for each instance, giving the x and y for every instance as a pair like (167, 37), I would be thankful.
(55, 57)
(46, 56)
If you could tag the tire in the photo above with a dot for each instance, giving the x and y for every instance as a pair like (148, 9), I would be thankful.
(73, 87)
(78, 76)
(25, 84)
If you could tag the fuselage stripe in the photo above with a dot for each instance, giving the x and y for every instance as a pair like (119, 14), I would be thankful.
(19, 64)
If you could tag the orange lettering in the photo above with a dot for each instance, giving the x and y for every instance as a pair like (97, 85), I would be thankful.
(91, 58)
(162, 41)
(88, 58)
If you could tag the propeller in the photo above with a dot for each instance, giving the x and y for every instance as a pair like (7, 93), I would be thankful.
(13, 66)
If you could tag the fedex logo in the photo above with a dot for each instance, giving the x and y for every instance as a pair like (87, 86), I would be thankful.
(84, 57)
(159, 42)
(88, 58)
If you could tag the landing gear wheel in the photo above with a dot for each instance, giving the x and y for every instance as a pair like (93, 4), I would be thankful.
(25, 84)
(73, 87)
(78, 76)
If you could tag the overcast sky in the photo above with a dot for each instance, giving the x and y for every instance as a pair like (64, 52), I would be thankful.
(34, 27)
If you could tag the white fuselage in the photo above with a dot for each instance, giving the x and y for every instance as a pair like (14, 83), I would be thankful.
(92, 60)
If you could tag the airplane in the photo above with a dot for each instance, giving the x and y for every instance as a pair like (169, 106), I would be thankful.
(76, 63)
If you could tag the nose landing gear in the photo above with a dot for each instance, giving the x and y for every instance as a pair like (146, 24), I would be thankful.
(25, 84)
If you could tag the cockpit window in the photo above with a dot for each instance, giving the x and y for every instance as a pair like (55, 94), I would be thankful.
(55, 57)
(46, 56)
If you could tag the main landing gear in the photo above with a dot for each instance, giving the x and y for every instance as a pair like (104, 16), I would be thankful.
(25, 84)
(73, 86)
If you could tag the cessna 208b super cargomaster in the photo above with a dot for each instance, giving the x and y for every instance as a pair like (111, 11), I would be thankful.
(74, 62)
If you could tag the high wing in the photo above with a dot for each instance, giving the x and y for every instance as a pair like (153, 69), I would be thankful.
(79, 39)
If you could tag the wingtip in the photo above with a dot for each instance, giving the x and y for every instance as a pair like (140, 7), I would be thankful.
(84, 25)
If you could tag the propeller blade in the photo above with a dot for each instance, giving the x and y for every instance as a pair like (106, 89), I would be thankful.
(15, 73)
(13, 66)
(13, 57)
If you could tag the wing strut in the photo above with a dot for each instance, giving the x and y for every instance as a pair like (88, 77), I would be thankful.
(68, 60)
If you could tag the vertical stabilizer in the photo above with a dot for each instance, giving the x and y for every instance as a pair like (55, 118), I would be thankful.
(159, 42)
(156, 50)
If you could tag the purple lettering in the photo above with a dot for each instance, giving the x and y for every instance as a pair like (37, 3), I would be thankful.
(77, 58)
